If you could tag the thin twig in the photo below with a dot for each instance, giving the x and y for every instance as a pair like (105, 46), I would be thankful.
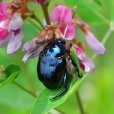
(104, 40)
(106, 37)
(38, 20)
(46, 14)
(35, 24)
(33, 16)
(25, 89)
(79, 103)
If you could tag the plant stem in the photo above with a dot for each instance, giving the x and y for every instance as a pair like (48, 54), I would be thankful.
(79, 103)
(38, 20)
(35, 24)
(25, 89)
(46, 14)
(107, 35)
(33, 16)
(104, 40)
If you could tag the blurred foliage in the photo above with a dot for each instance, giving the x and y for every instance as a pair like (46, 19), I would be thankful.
(10, 73)
(96, 92)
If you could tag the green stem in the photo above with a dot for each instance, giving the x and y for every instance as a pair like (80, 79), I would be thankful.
(109, 32)
(33, 16)
(74, 87)
(37, 19)
(25, 89)
(79, 103)
(104, 40)
(46, 14)
(35, 24)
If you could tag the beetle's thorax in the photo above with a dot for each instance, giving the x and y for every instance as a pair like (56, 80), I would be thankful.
(56, 49)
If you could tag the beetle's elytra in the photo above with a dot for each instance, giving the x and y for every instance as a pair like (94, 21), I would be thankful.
(51, 68)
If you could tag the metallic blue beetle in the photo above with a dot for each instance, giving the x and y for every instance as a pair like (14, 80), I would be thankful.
(51, 68)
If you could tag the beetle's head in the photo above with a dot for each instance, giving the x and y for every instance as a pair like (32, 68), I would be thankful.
(61, 40)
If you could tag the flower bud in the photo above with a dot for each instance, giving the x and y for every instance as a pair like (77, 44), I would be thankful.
(94, 44)
(61, 14)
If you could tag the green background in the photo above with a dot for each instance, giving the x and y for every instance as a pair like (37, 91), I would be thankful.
(97, 91)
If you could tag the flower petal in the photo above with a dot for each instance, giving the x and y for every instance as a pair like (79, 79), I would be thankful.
(44, 23)
(32, 54)
(15, 43)
(78, 52)
(3, 10)
(3, 33)
(94, 44)
(69, 32)
(26, 57)
(4, 24)
(61, 14)
(16, 22)
(30, 46)
(87, 63)
(5, 41)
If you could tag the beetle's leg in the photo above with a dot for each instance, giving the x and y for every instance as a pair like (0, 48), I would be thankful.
(63, 91)
(79, 74)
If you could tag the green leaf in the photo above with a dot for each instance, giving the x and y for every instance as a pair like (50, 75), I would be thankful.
(12, 71)
(89, 11)
(98, 2)
(43, 104)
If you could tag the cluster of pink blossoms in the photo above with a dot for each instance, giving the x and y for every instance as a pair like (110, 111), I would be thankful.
(63, 25)
(11, 22)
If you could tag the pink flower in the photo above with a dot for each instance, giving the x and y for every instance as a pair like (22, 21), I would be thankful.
(15, 41)
(3, 33)
(16, 22)
(30, 45)
(32, 48)
(85, 62)
(94, 44)
(92, 41)
(3, 11)
(68, 31)
(63, 15)
(11, 34)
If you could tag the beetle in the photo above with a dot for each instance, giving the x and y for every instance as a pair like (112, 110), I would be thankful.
(51, 67)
